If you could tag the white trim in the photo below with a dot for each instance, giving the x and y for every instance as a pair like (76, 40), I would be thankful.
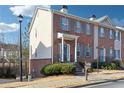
(68, 59)
(95, 42)
(62, 46)
(76, 49)
(52, 39)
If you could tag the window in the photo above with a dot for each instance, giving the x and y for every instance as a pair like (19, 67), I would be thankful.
(117, 54)
(35, 52)
(87, 51)
(102, 54)
(117, 35)
(77, 27)
(101, 32)
(83, 27)
(65, 24)
(111, 34)
(88, 30)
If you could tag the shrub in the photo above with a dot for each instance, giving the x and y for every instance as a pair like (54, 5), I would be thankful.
(58, 68)
(67, 69)
(122, 65)
(106, 65)
(114, 66)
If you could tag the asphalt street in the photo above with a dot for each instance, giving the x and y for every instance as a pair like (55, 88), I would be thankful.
(113, 84)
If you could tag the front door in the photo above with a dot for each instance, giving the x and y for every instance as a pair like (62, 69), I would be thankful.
(66, 52)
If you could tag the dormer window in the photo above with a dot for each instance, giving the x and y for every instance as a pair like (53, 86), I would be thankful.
(65, 24)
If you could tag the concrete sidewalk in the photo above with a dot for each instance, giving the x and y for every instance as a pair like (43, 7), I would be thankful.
(68, 81)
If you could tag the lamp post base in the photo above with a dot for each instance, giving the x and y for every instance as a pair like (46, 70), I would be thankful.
(29, 77)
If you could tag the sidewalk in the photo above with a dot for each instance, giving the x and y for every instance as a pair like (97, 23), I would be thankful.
(68, 81)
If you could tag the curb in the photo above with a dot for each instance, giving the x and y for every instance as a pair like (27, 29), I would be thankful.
(95, 83)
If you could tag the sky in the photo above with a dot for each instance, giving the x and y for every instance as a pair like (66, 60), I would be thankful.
(9, 25)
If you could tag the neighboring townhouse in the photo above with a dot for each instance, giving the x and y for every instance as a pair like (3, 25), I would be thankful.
(9, 51)
(57, 36)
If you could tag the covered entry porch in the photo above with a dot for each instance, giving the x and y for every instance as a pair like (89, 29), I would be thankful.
(65, 47)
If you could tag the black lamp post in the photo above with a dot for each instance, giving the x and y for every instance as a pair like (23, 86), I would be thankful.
(20, 17)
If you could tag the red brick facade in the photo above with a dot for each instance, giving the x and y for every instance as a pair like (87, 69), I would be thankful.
(36, 65)
(83, 39)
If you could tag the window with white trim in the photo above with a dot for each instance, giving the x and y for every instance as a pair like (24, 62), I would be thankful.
(77, 27)
(88, 51)
(117, 54)
(111, 34)
(117, 35)
(102, 54)
(101, 32)
(65, 23)
(88, 30)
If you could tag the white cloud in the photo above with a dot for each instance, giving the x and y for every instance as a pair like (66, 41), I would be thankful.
(8, 27)
(118, 22)
(26, 10)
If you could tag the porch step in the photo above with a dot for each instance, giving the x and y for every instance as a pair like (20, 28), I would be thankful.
(79, 69)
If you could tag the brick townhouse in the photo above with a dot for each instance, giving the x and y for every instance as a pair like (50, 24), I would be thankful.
(57, 36)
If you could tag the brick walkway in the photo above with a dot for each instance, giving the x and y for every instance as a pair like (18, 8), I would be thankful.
(67, 81)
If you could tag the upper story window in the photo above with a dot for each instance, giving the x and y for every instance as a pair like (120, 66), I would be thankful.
(77, 27)
(65, 23)
(111, 34)
(117, 35)
(101, 32)
(88, 30)
(83, 27)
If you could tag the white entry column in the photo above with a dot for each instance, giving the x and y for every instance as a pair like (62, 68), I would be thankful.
(76, 49)
(62, 55)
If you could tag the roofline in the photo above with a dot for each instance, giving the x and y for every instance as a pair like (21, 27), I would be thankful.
(69, 15)
(34, 16)
(83, 19)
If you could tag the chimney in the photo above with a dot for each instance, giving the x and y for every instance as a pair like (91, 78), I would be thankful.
(93, 17)
(64, 9)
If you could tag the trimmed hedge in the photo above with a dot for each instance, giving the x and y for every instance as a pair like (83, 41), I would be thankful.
(106, 65)
(58, 68)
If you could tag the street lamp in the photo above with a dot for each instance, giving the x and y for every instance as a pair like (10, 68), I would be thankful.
(20, 18)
